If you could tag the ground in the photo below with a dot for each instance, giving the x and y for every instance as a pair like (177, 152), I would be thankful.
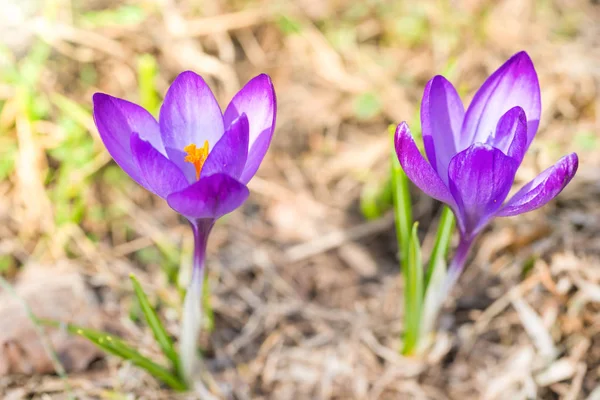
(306, 292)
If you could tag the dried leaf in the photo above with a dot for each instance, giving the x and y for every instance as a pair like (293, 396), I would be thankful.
(52, 292)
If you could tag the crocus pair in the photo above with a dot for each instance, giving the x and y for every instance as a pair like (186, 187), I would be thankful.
(196, 157)
(199, 160)
(473, 155)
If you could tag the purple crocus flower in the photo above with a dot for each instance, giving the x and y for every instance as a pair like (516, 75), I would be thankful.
(474, 154)
(196, 157)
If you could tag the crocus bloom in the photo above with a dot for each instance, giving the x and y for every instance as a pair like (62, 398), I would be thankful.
(196, 157)
(473, 155)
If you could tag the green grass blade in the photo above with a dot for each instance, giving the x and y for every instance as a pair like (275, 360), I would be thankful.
(147, 69)
(73, 110)
(376, 198)
(160, 333)
(442, 243)
(413, 294)
(402, 206)
(410, 254)
(116, 346)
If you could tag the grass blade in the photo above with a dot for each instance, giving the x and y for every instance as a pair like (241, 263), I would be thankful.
(116, 346)
(160, 333)
(376, 198)
(442, 243)
(413, 293)
(147, 69)
(74, 111)
(402, 206)
(410, 254)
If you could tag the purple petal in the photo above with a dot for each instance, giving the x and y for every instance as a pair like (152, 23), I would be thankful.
(480, 178)
(257, 100)
(418, 170)
(543, 188)
(442, 114)
(160, 175)
(117, 120)
(514, 84)
(210, 197)
(230, 153)
(510, 136)
(190, 114)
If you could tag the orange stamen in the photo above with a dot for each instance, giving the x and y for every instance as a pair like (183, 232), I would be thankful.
(196, 156)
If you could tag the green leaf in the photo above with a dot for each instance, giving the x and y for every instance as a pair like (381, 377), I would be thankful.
(172, 258)
(289, 25)
(413, 294)
(402, 206)
(158, 329)
(367, 106)
(411, 29)
(147, 70)
(587, 141)
(410, 254)
(8, 155)
(528, 266)
(442, 243)
(31, 67)
(116, 346)
(376, 198)
(120, 16)
(72, 110)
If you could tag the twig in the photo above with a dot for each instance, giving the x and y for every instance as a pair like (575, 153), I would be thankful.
(337, 238)
(226, 22)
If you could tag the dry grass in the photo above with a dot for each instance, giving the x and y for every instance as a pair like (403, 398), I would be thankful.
(306, 294)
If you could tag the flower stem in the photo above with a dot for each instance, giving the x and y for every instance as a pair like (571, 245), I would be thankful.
(458, 264)
(413, 294)
(201, 229)
(191, 321)
(442, 243)
(440, 286)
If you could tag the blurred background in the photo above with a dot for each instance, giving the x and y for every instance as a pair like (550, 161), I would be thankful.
(304, 278)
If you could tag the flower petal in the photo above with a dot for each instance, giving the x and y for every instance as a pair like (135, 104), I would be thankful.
(514, 84)
(190, 114)
(442, 114)
(117, 120)
(257, 100)
(510, 136)
(230, 153)
(210, 197)
(543, 188)
(480, 178)
(418, 170)
(160, 175)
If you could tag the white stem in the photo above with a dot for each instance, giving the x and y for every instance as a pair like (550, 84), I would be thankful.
(191, 323)
(434, 298)
(441, 283)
